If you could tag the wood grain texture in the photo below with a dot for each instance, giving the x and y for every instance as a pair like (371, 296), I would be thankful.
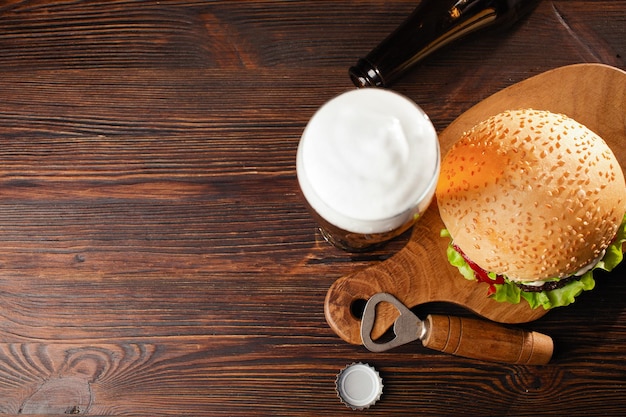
(157, 257)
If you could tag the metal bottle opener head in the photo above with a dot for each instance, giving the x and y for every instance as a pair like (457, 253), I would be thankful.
(407, 327)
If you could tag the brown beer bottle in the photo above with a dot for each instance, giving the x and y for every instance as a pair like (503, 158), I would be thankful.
(433, 24)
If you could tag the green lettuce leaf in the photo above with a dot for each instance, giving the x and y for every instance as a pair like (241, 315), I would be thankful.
(456, 259)
(560, 297)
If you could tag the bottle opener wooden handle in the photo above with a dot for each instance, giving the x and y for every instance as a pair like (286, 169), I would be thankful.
(480, 339)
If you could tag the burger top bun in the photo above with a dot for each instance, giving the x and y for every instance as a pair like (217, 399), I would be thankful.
(532, 195)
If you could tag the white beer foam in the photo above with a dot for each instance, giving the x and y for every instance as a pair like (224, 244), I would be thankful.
(368, 160)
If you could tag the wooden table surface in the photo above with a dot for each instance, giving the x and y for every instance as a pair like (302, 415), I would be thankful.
(156, 254)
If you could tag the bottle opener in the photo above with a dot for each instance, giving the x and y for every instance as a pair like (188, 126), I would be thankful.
(460, 336)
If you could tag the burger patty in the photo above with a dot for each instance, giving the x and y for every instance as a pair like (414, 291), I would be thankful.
(548, 285)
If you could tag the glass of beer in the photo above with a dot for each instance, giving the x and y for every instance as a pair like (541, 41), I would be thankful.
(368, 163)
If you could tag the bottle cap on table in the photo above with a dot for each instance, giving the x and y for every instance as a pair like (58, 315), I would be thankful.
(359, 386)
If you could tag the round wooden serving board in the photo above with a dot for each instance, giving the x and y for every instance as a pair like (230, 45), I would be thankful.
(592, 94)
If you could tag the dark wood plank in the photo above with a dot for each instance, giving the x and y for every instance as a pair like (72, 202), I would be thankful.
(157, 257)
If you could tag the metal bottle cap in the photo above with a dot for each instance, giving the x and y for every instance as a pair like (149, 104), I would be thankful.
(359, 386)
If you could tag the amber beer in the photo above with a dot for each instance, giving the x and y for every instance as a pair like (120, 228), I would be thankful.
(432, 25)
(367, 164)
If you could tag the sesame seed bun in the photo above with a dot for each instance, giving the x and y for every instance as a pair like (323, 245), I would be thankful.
(531, 195)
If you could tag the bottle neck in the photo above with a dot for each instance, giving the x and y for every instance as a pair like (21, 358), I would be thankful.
(364, 74)
(432, 25)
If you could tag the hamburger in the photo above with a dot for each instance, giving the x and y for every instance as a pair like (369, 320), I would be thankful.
(532, 202)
